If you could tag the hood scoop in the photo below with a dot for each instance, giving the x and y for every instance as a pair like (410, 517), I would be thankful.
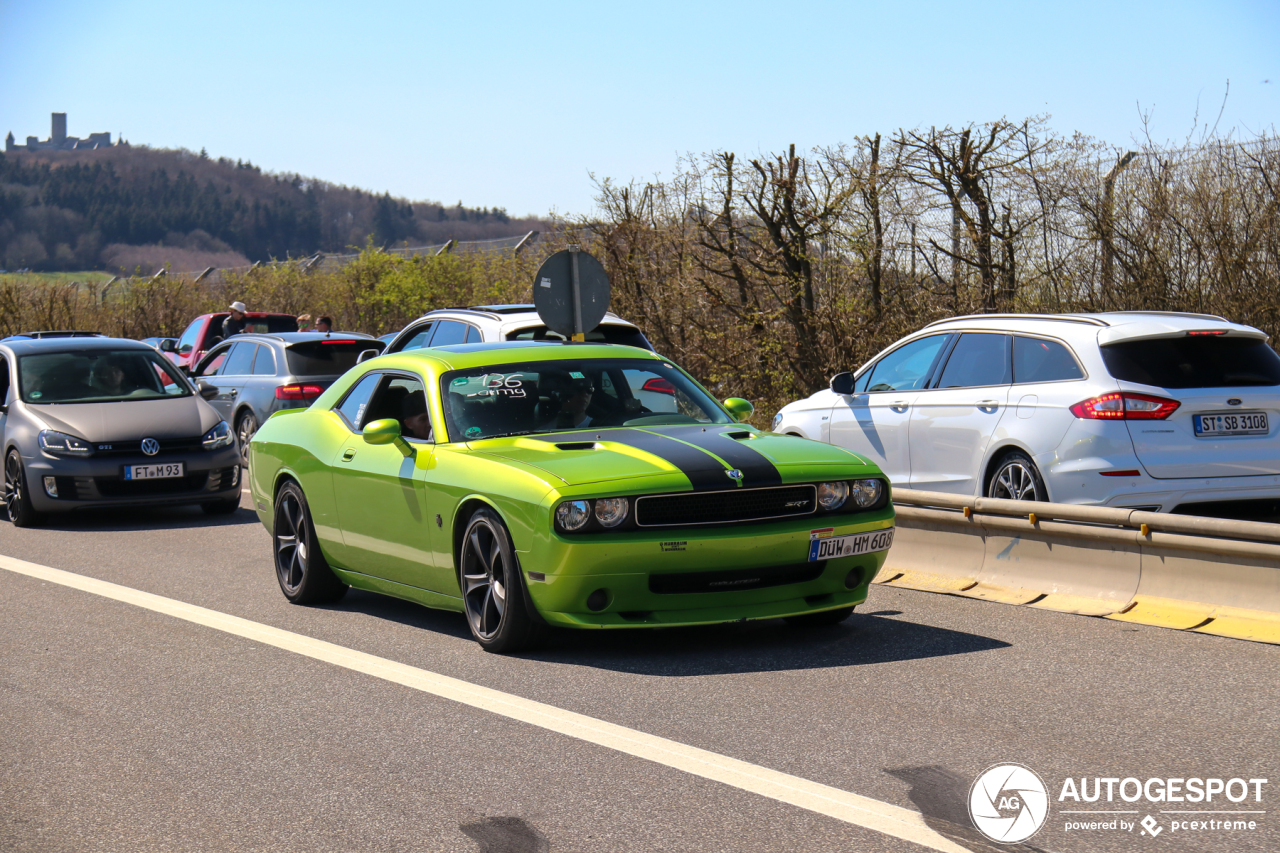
(577, 445)
(740, 435)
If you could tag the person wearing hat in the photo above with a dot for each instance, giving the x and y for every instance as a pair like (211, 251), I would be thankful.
(417, 423)
(234, 324)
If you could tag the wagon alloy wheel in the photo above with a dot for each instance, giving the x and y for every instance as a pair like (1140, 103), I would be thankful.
(246, 428)
(17, 501)
(1017, 479)
(497, 607)
(301, 569)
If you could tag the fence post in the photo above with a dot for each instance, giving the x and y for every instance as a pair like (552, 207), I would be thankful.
(1108, 202)
(525, 240)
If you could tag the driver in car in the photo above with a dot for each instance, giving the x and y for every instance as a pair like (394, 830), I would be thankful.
(575, 396)
(416, 422)
(107, 378)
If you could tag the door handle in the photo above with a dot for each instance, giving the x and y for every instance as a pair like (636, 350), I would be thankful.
(900, 405)
(988, 404)
(348, 454)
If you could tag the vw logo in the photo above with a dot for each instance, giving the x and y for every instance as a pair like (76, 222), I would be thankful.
(1008, 803)
(735, 474)
(150, 446)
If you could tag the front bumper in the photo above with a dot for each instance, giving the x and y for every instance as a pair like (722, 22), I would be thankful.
(97, 482)
(632, 567)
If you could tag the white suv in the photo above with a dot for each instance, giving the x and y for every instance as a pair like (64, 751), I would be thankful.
(485, 323)
(1163, 411)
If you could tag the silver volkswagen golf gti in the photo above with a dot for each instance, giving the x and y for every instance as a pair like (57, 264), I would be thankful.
(93, 422)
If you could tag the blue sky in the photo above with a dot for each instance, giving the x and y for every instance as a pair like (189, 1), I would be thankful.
(513, 104)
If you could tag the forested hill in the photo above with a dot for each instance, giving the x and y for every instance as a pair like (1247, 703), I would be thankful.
(105, 209)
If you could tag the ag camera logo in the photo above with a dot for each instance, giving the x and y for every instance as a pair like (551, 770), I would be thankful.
(1008, 803)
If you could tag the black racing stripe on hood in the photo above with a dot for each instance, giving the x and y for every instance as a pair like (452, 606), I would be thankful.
(756, 469)
(704, 471)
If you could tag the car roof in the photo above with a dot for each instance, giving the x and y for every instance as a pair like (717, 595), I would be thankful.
(513, 315)
(462, 356)
(1106, 327)
(29, 346)
(295, 337)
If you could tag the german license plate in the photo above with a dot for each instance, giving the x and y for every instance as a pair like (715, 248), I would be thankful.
(1235, 423)
(154, 472)
(824, 546)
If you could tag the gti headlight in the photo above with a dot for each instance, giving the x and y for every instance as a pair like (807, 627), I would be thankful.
(572, 515)
(218, 437)
(866, 493)
(611, 511)
(60, 444)
(833, 495)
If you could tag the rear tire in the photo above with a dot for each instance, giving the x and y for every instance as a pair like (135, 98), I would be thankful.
(493, 594)
(820, 620)
(17, 499)
(1017, 478)
(301, 569)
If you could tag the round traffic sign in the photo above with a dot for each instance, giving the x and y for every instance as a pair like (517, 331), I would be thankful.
(553, 292)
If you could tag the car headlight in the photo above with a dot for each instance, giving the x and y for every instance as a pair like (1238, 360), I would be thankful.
(833, 495)
(218, 437)
(572, 515)
(777, 420)
(60, 444)
(611, 511)
(867, 492)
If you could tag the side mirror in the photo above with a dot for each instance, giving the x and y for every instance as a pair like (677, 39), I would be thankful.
(739, 408)
(206, 390)
(387, 431)
(842, 383)
(366, 355)
(183, 350)
(166, 345)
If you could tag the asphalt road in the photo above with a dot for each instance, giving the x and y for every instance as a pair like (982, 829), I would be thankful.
(124, 729)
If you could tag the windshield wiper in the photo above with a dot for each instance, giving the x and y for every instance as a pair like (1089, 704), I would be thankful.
(506, 434)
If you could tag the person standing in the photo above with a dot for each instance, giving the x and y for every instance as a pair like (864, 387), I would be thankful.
(235, 323)
(304, 322)
(324, 324)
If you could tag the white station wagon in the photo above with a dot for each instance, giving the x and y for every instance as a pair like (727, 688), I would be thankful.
(1163, 411)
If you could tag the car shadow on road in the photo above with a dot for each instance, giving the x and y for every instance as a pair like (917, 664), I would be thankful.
(404, 612)
(114, 519)
(767, 646)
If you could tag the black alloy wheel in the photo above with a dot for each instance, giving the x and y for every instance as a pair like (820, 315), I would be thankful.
(17, 500)
(492, 588)
(301, 569)
(1016, 478)
(246, 428)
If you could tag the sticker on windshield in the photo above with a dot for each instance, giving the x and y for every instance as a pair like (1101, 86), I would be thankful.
(576, 375)
(36, 395)
(472, 432)
(501, 385)
(461, 380)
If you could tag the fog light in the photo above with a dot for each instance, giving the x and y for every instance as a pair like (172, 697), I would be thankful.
(598, 600)
(235, 476)
(51, 486)
(611, 511)
(867, 492)
(833, 495)
(854, 579)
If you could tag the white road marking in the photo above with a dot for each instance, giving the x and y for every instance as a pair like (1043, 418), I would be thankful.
(842, 805)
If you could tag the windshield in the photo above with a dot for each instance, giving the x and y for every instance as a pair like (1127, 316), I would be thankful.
(1194, 362)
(99, 376)
(553, 396)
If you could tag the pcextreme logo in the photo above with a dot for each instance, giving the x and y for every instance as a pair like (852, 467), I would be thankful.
(1008, 803)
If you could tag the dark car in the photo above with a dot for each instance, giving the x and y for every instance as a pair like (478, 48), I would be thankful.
(92, 422)
(205, 331)
(258, 375)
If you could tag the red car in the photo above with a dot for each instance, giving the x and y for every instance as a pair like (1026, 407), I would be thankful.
(206, 330)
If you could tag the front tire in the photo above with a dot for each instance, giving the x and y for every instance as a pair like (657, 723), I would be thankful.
(301, 569)
(493, 589)
(1017, 478)
(17, 499)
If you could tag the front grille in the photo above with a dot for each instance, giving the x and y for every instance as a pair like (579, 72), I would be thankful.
(726, 507)
(671, 584)
(115, 487)
(133, 447)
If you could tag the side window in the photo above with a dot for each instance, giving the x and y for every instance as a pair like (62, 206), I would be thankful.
(1036, 360)
(240, 362)
(353, 406)
(265, 363)
(404, 399)
(449, 332)
(418, 339)
(4, 381)
(976, 360)
(473, 335)
(212, 366)
(907, 367)
(188, 340)
(860, 387)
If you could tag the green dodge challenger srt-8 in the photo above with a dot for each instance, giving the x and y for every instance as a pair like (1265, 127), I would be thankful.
(564, 484)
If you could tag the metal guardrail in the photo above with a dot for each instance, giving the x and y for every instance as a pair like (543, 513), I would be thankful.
(1213, 576)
